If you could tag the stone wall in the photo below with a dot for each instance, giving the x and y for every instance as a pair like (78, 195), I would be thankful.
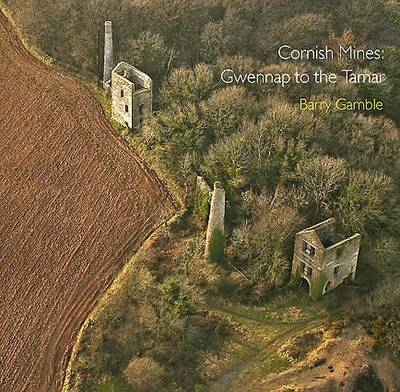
(325, 230)
(216, 224)
(132, 95)
(299, 256)
(141, 107)
(328, 266)
(343, 255)
(141, 79)
(202, 186)
(122, 106)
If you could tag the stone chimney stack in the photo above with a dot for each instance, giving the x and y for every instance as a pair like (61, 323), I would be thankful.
(216, 225)
(108, 53)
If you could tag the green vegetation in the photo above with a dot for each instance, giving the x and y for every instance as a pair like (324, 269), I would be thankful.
(217, 246)
(201, 206)
(317, 286)
(153, 332)
(296, 349)
(386, 329)
(114, 385)
(145, 374)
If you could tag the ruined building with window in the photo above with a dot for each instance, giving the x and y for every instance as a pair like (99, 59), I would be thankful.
(131, 89)
(323, 260)
(131, 92)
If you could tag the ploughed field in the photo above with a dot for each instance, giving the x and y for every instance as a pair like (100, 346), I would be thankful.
(75, 202)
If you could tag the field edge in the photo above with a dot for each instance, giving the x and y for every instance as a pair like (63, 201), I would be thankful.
(116, 286)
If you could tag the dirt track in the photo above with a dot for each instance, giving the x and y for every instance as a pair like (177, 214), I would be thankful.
(74, 202)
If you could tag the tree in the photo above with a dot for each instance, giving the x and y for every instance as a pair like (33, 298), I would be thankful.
(227, 36)
(239, 64)
(366, 204)
(178, 137)
(367, 143)
(261, 153)
(187, 86)
(212, 41)
(150, 53)
(319, 177)
(178, 298)
(260, 244)
(145, 374)
(228, 162)
(334, 42)
(226, 109)
(302, 31)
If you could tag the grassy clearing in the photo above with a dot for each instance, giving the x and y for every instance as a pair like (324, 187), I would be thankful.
(115, 385)
(253, 352)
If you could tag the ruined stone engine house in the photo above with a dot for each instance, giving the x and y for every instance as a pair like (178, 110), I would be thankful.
(322, 259)
(131, 92)
(131, 89)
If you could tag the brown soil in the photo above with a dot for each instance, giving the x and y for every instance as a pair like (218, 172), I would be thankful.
(75, 202)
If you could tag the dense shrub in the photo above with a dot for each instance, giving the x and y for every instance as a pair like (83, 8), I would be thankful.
(386, 329)
(145, 374)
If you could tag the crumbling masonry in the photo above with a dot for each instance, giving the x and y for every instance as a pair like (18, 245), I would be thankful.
(131, 89)
(216, 225)
(322, 260)
(132, 95)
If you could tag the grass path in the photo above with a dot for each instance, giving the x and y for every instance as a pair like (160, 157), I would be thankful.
(257, 357)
